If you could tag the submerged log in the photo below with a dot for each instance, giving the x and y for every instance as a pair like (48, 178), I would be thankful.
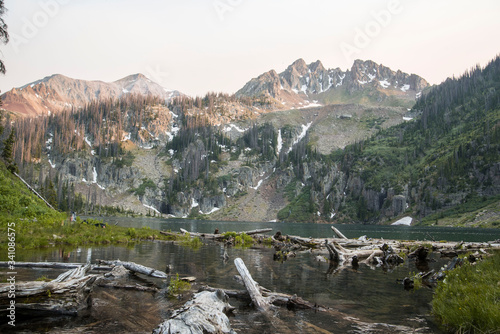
(136, 268)
(204, 313)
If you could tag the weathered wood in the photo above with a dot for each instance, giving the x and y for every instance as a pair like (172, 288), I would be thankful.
(136, 287)
(170, 233)
(258, 231)
(420, 253)
(338, 233)
(305, 242)
(67, 294)
(450, 266)
(335, 255)
(53, 265)
(277, 299)
(204, 313)
(136, 268)
(219, 236)
(189, 279)
(260, 303)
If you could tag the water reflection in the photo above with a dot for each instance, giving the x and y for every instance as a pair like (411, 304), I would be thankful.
(371, 295)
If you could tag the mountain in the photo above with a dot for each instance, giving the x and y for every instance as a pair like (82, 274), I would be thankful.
(242, 158)
(441, 168)
(365, 83)
(57, 92)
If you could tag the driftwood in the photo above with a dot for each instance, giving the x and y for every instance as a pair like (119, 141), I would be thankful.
(68, 294)
(420, 253)
(441, 274)
(137, 268)
(258, 231)
(217, 236)
(277, 299)
(53, 265)
(260, 303)
(136, 287)
(341, 255)
(204, 313)
(338, 233)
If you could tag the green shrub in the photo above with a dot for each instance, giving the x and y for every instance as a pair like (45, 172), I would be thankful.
(243, 240)
(194, 243)
(177, 286)
(229, 235)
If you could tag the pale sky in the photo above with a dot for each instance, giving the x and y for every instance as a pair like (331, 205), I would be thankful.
(197, 46)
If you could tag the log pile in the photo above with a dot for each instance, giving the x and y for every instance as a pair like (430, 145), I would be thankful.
(68, 294)
(207, 311)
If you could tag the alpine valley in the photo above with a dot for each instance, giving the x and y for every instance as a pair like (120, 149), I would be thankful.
(310, 144)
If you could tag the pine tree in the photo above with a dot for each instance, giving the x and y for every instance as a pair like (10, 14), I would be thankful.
(8, 150)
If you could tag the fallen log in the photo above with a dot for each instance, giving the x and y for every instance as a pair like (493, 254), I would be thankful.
(306, 242)
(53, 265)
(260, 303)
(134, 267)
(204, 313)
(219, 236)
(68, 294)
(338, 233)
(172, 234)
(259, 231)
(277, 299)
(441, 274)
(136, 287)
(335, 255)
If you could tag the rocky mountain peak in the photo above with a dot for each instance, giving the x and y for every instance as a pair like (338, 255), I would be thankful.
(57, 92)
(299, 66)
(316, 67)
(300, 83)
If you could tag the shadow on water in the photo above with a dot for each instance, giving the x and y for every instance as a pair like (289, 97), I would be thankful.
(371, 296)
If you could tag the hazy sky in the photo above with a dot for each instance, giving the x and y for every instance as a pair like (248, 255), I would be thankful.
(197, 46)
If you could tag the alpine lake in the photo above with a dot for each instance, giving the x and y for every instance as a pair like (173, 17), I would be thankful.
(365, 300)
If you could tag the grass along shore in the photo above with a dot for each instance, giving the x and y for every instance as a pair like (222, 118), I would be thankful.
(468, 299)
(27, 222)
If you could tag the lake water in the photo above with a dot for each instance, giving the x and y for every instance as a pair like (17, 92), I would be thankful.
(372, 296)
(318, 230)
